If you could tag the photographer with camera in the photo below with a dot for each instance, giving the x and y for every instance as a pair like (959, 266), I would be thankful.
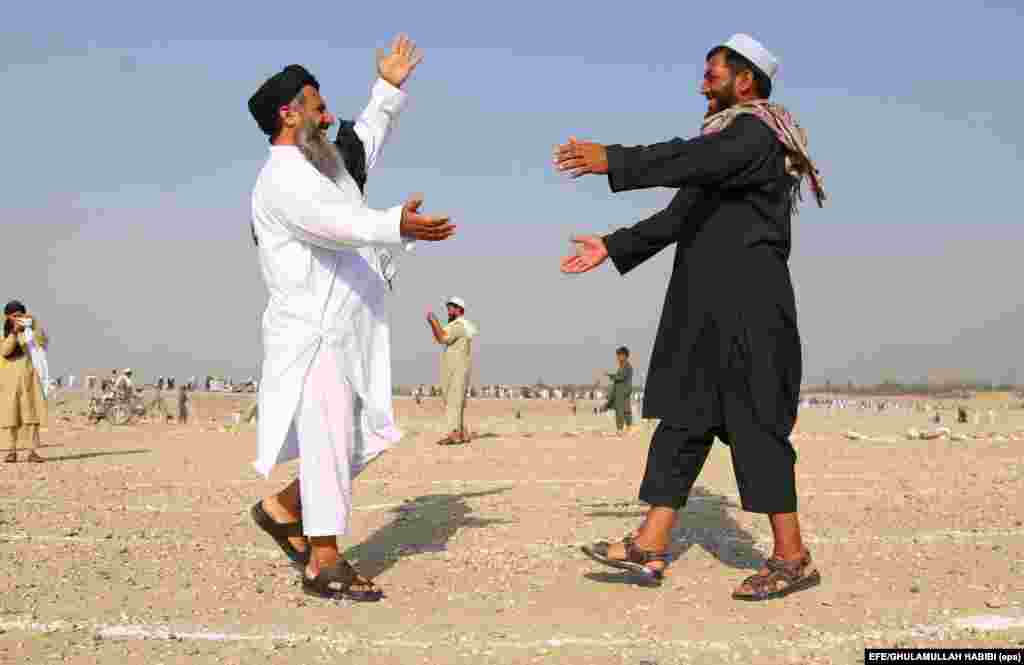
(22, 389)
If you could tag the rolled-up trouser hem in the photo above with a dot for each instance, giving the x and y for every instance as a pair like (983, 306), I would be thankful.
(770, 509)
(763, 464)
(674, 461)
(663, 501)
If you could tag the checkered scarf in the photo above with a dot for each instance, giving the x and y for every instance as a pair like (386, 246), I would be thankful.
(790, 134)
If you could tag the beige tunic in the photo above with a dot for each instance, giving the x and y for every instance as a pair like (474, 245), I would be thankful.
(455, 366)
(458, 350)
(21, 395)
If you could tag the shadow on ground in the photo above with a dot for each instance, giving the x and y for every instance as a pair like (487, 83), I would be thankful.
(66, 458)
(424, 524)
(706, 523)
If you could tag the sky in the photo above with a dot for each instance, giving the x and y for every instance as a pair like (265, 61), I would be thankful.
(131, 156)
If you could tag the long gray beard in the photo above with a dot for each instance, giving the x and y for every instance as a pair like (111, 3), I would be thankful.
(320, 152)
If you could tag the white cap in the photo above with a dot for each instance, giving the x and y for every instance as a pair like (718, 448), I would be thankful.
(458, 302)
(752, 50)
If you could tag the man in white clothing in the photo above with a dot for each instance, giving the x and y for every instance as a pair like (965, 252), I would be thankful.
(325, 393)
(124, 385)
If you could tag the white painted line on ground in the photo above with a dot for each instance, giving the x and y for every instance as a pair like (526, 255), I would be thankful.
(976, 623)
(990, 622)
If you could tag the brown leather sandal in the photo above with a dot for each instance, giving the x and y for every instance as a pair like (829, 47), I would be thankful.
(337, 582)
(780, 578)
(34, 458)
(11, 458)
(636, 559)
(281, 533)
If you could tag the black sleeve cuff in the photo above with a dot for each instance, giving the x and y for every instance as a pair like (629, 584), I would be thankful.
(613, 242)
(616, 167)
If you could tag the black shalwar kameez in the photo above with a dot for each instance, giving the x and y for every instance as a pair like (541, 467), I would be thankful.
(727, 358)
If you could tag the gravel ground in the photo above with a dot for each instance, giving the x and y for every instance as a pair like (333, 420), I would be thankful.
(134, 545)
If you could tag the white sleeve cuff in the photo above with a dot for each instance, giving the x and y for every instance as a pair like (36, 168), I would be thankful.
(389, 232)
(387, 97)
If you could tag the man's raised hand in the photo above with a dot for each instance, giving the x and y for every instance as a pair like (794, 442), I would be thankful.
(423, 227)
(592, 253)
(581, 158)
(395, 67)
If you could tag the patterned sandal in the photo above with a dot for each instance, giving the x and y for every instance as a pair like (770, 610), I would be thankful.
(281, 533)
(780, 578)
(11, 458)
(636, 559)
(337, 582)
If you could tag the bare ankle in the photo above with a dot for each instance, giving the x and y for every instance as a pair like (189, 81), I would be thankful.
(277, 509)
(325, 552)
(789, 553)
(654, 536)
(652, 542)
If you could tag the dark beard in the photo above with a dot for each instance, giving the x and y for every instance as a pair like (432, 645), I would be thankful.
(320, 152)
(724, 99)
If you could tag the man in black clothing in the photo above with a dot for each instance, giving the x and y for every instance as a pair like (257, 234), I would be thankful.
(727, 358)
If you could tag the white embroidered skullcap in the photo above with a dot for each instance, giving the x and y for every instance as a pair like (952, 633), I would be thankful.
(458, 302)
(755, 52)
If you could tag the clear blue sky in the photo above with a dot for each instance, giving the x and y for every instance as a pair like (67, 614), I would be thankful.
(131, 156)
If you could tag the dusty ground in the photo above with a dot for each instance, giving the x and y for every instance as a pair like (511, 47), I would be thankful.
(133, 545)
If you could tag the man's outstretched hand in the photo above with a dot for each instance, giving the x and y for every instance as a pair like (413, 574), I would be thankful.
(396, 66)
(581, 158)
(423, 227)
(592, 253)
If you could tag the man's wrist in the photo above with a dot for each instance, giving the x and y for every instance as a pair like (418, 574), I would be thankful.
(397, 85)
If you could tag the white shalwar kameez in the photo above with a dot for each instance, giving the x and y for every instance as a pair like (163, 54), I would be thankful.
(325, 390)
